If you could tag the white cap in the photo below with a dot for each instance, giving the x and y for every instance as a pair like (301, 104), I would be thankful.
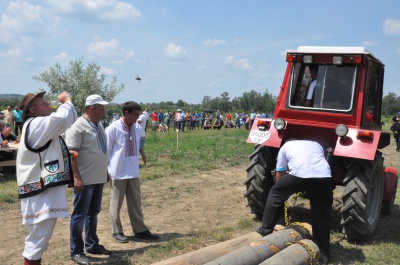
(95, 99)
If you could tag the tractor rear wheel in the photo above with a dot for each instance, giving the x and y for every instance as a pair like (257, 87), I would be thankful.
(259, 178)
(362, 197)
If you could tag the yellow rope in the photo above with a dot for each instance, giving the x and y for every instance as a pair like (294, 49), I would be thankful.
(309, 249)
(289, 218)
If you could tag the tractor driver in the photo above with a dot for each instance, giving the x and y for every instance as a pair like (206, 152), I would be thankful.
(310, 172)
(310, 94)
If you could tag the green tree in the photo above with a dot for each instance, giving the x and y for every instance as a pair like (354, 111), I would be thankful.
(79, 82)
(390, 104)
(225, 103)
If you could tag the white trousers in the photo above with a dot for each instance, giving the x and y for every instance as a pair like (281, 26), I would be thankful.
(37, 241)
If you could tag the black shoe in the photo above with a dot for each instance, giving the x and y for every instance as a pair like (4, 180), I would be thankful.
(146, 235)
(262, 231)
(323, 260)
(81, 259)
(99, 250)
(120, 238)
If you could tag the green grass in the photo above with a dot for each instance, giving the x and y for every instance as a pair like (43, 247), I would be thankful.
(194, 151)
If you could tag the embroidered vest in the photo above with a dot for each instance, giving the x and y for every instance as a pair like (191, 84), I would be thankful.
(43, 167)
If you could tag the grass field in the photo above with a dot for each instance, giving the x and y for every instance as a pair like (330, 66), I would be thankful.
(203, 152)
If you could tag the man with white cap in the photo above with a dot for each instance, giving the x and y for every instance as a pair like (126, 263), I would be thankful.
(87, 137)
(43, 170)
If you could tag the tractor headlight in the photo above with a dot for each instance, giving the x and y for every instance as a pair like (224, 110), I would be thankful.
(279, 124)
(341, 130)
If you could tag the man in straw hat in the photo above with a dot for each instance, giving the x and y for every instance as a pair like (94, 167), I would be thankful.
(43, 170)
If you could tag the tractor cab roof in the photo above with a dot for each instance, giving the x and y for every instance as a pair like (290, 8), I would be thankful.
(333, 50)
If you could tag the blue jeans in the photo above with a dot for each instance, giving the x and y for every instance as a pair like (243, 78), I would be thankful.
(181, 125)
(87, 205)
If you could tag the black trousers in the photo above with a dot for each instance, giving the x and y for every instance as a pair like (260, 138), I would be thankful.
(321, 198)
(18, 125)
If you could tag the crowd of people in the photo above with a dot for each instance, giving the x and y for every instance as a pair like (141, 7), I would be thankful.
(182, 120)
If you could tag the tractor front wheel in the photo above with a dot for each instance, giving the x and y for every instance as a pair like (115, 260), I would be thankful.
(259, 178)
(362, 197)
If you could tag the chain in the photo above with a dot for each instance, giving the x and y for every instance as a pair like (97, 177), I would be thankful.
(309, 249)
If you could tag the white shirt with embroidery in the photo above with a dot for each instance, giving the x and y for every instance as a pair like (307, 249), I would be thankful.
(123, 150)
(51, 203)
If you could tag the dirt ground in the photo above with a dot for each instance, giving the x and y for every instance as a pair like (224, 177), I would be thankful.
(173, 206)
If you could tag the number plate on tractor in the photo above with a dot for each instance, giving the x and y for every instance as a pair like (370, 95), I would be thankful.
(259, 137)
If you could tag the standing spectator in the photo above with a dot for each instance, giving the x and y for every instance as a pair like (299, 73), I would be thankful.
(146, 112)
(160, 117)
(237, 119)
(252, 117)
(228, 117)
(188, 120)
(154, 120)
(203, 118)
(196, 121)
(9, 117)
(395, 128)
(308, 171)
(263, 115)
(141, 121)
(87, 137)
(180, 118)
(123, 137)
(167, 118)
(18, 120)
(243, 118)
(42, 154)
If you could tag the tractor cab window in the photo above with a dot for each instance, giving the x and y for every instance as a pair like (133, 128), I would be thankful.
(372, 95)
(323, 86)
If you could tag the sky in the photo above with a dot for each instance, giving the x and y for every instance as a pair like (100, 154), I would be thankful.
(187, 49)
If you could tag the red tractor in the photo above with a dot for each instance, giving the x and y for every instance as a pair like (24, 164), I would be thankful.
(332, 95)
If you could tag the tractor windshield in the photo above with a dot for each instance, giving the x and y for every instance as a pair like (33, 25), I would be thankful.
(323, 86)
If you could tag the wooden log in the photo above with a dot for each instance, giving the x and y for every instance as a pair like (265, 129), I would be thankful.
(203, 255)
(299, 253)
(262, 249)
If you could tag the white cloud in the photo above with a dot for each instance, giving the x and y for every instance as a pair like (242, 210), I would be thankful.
(242, 64)
(107, 71)
(21, 19)
(175, 52)
(370, 43)
(102, 9)
(110, 50)
(62, 56)
(10, 54)
(391, 26)
(230, 59)
(215, 82)
(217, 42)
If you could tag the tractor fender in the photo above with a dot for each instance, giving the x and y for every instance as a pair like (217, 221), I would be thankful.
(390, 181)
(357, 147)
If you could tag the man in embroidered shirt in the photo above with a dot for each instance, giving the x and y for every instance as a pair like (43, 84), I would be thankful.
(43, 170)
(123, 138)
(87, 137)
(308, 171)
